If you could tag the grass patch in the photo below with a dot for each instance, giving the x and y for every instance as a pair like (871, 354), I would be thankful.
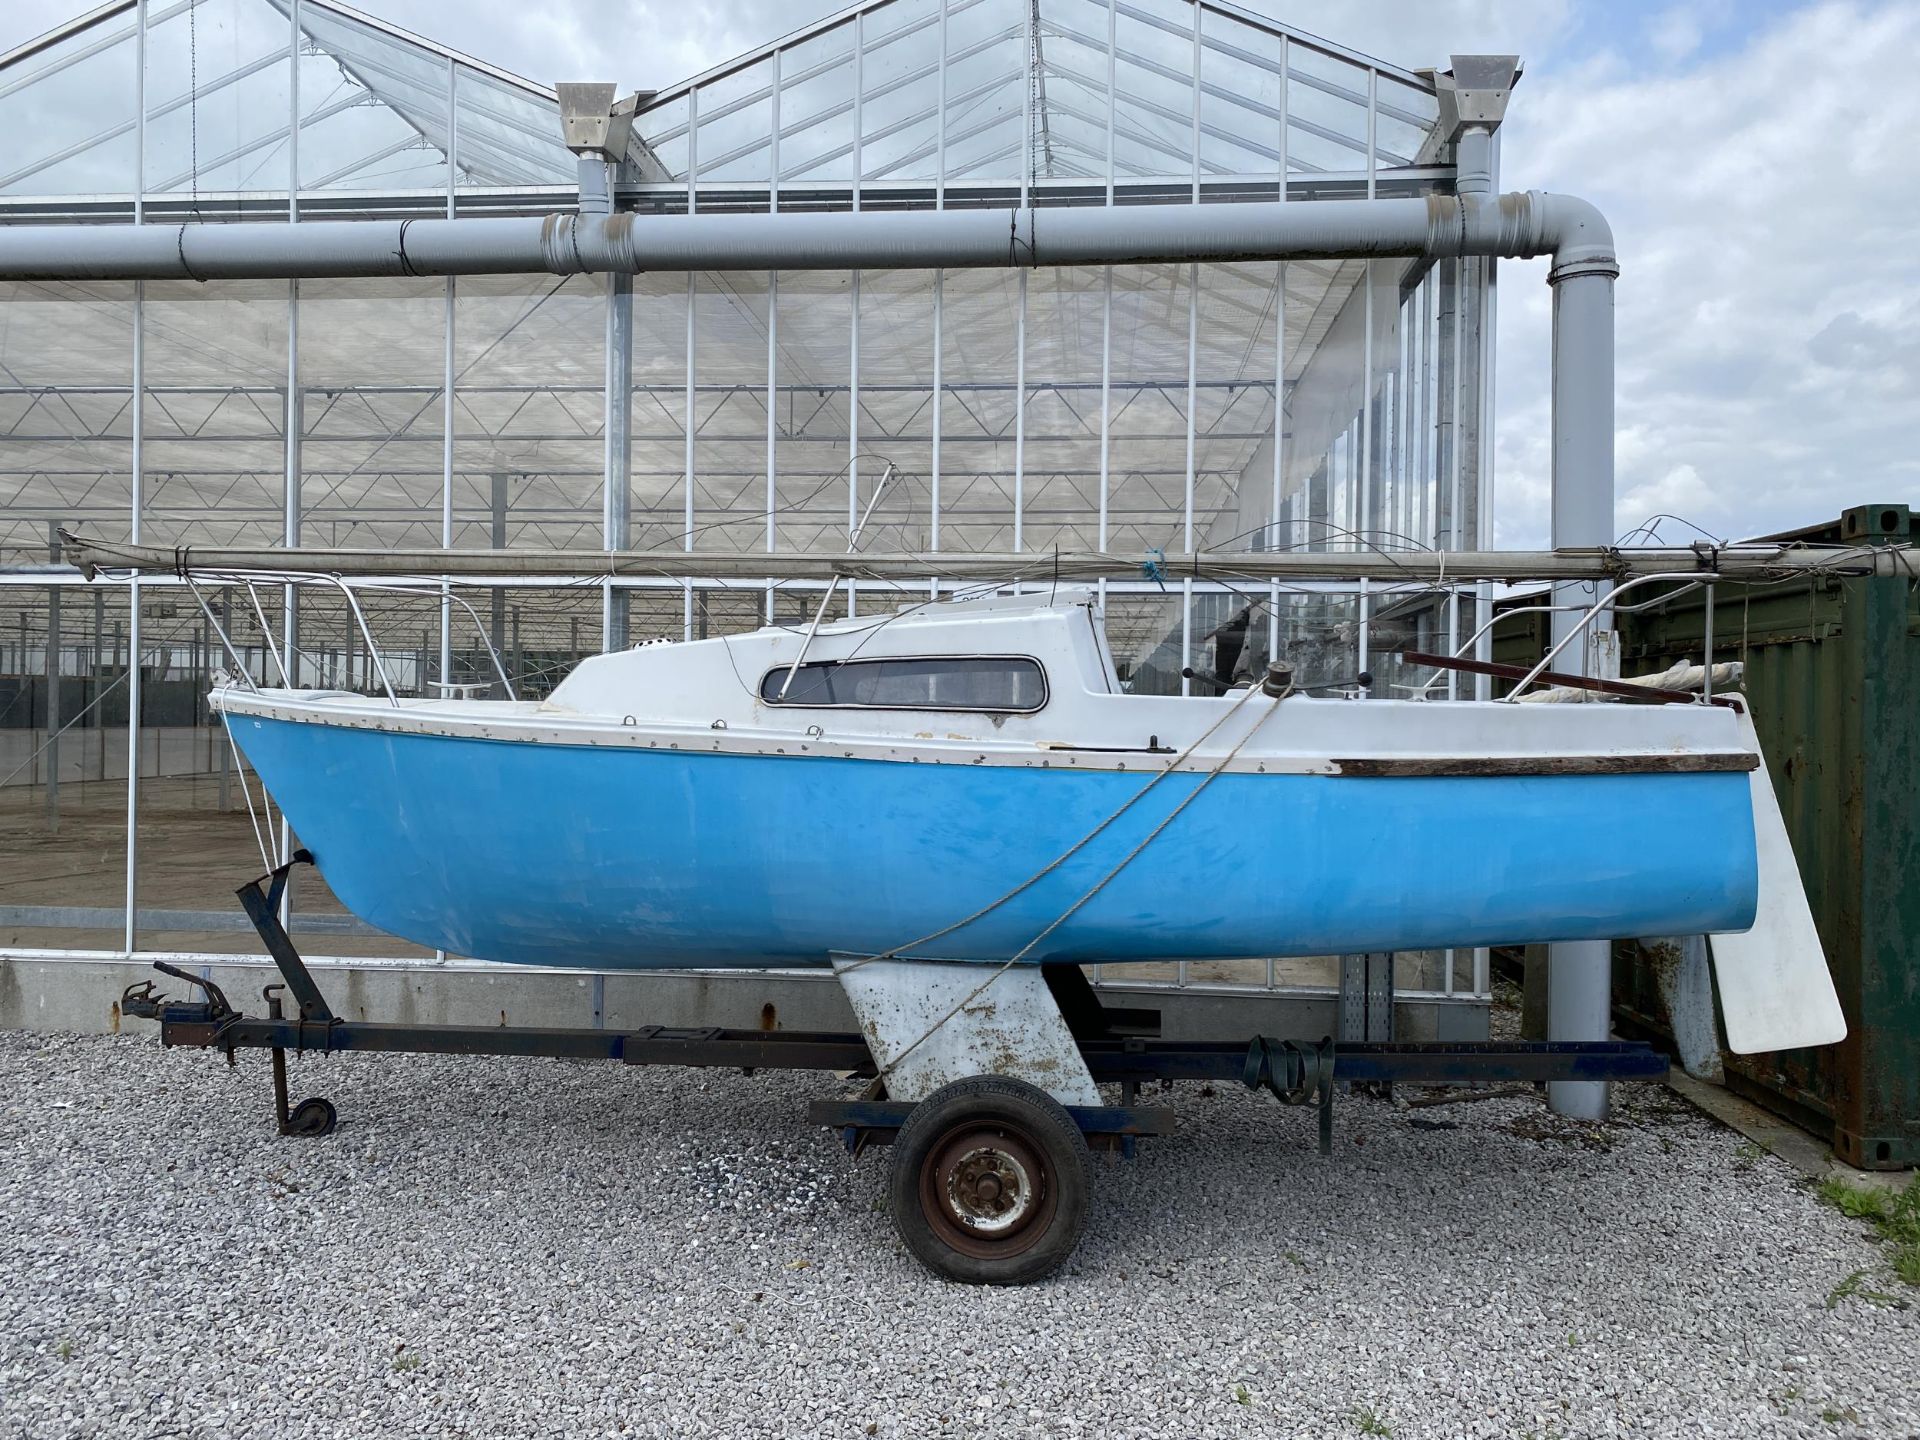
(1906, 1262)
(1367, 1420)
(1856, 1284)
(1895, 1218)
(1748, 1155)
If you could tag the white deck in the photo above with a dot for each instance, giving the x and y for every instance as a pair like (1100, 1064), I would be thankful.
(706, 695)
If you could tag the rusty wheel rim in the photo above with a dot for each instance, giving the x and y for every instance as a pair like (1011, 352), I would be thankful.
(986, 1191)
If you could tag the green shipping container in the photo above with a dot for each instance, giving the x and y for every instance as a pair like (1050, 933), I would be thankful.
(1833, 673)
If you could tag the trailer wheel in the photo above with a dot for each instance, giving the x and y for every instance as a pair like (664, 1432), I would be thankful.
(990, 1182)
(313, 1117)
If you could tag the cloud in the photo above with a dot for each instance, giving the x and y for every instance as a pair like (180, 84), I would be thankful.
(1768, 319)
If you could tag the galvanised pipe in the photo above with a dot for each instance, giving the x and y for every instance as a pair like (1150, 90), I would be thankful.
(1438, 226)
(1579, 972)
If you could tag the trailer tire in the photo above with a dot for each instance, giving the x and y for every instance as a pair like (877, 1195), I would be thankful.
(990, 1183)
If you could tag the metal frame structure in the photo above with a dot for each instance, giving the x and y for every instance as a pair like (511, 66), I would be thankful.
(1261, 406)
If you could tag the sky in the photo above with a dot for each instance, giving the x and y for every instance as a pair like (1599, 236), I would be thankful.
(1757, 161)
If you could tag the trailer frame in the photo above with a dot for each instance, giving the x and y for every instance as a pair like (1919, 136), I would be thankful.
(1120, 1046)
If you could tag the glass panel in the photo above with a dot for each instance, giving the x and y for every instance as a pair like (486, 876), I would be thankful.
(1319, 636)
(1148, 461)
(899, 114)
(1143, 632)
(1233, 414)
(1072, 134)
(68, 115)
(66, 413)
(896, 408)
(720, 609)
(1154, 103)
(996, 683)
(986, 86)
(1405, 123)
(63, 765)
(1416, 620)
(816, 495)
(1239, 99)
(507, 135)
(371, 365)
(1326, 112)
(1325, 348)
(215, 412)
(1061, 489)
(736, 123)
(218, 97)
(731, 315)
(658, 464)
(373, 108)
(977, 410)
(816, 108)
(660, 142)
(528, 408)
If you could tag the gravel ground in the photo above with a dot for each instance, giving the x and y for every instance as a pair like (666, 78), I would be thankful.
(512, 1248)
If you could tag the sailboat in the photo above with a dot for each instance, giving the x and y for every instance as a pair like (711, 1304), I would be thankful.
(970, 780)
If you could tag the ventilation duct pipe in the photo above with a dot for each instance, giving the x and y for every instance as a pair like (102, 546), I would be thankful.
(1437, 226)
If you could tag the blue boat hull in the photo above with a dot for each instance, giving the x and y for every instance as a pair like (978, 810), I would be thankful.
(616, 857)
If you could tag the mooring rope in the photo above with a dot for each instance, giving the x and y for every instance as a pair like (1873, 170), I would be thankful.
(1205, 780)
(894, 952)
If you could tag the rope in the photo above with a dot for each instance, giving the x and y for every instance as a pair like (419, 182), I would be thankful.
(1097, 886)
(1034, 879)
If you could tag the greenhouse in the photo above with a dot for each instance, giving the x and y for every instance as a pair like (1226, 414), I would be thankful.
(1333, 405)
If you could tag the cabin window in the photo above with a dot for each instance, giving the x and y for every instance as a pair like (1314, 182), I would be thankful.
(960, 682)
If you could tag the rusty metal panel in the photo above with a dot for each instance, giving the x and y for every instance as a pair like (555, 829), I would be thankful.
(930, 1023)
(1833, 671)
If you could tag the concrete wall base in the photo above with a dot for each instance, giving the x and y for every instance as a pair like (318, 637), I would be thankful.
(84, 996)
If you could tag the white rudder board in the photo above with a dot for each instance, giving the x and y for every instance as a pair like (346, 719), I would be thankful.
(1776, 992)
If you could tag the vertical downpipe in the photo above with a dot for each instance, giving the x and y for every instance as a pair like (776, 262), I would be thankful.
(1579, 973)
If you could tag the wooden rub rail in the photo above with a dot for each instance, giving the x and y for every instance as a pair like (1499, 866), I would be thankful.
(1482, 766)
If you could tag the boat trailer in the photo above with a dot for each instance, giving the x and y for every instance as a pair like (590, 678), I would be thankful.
(990, 1175)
